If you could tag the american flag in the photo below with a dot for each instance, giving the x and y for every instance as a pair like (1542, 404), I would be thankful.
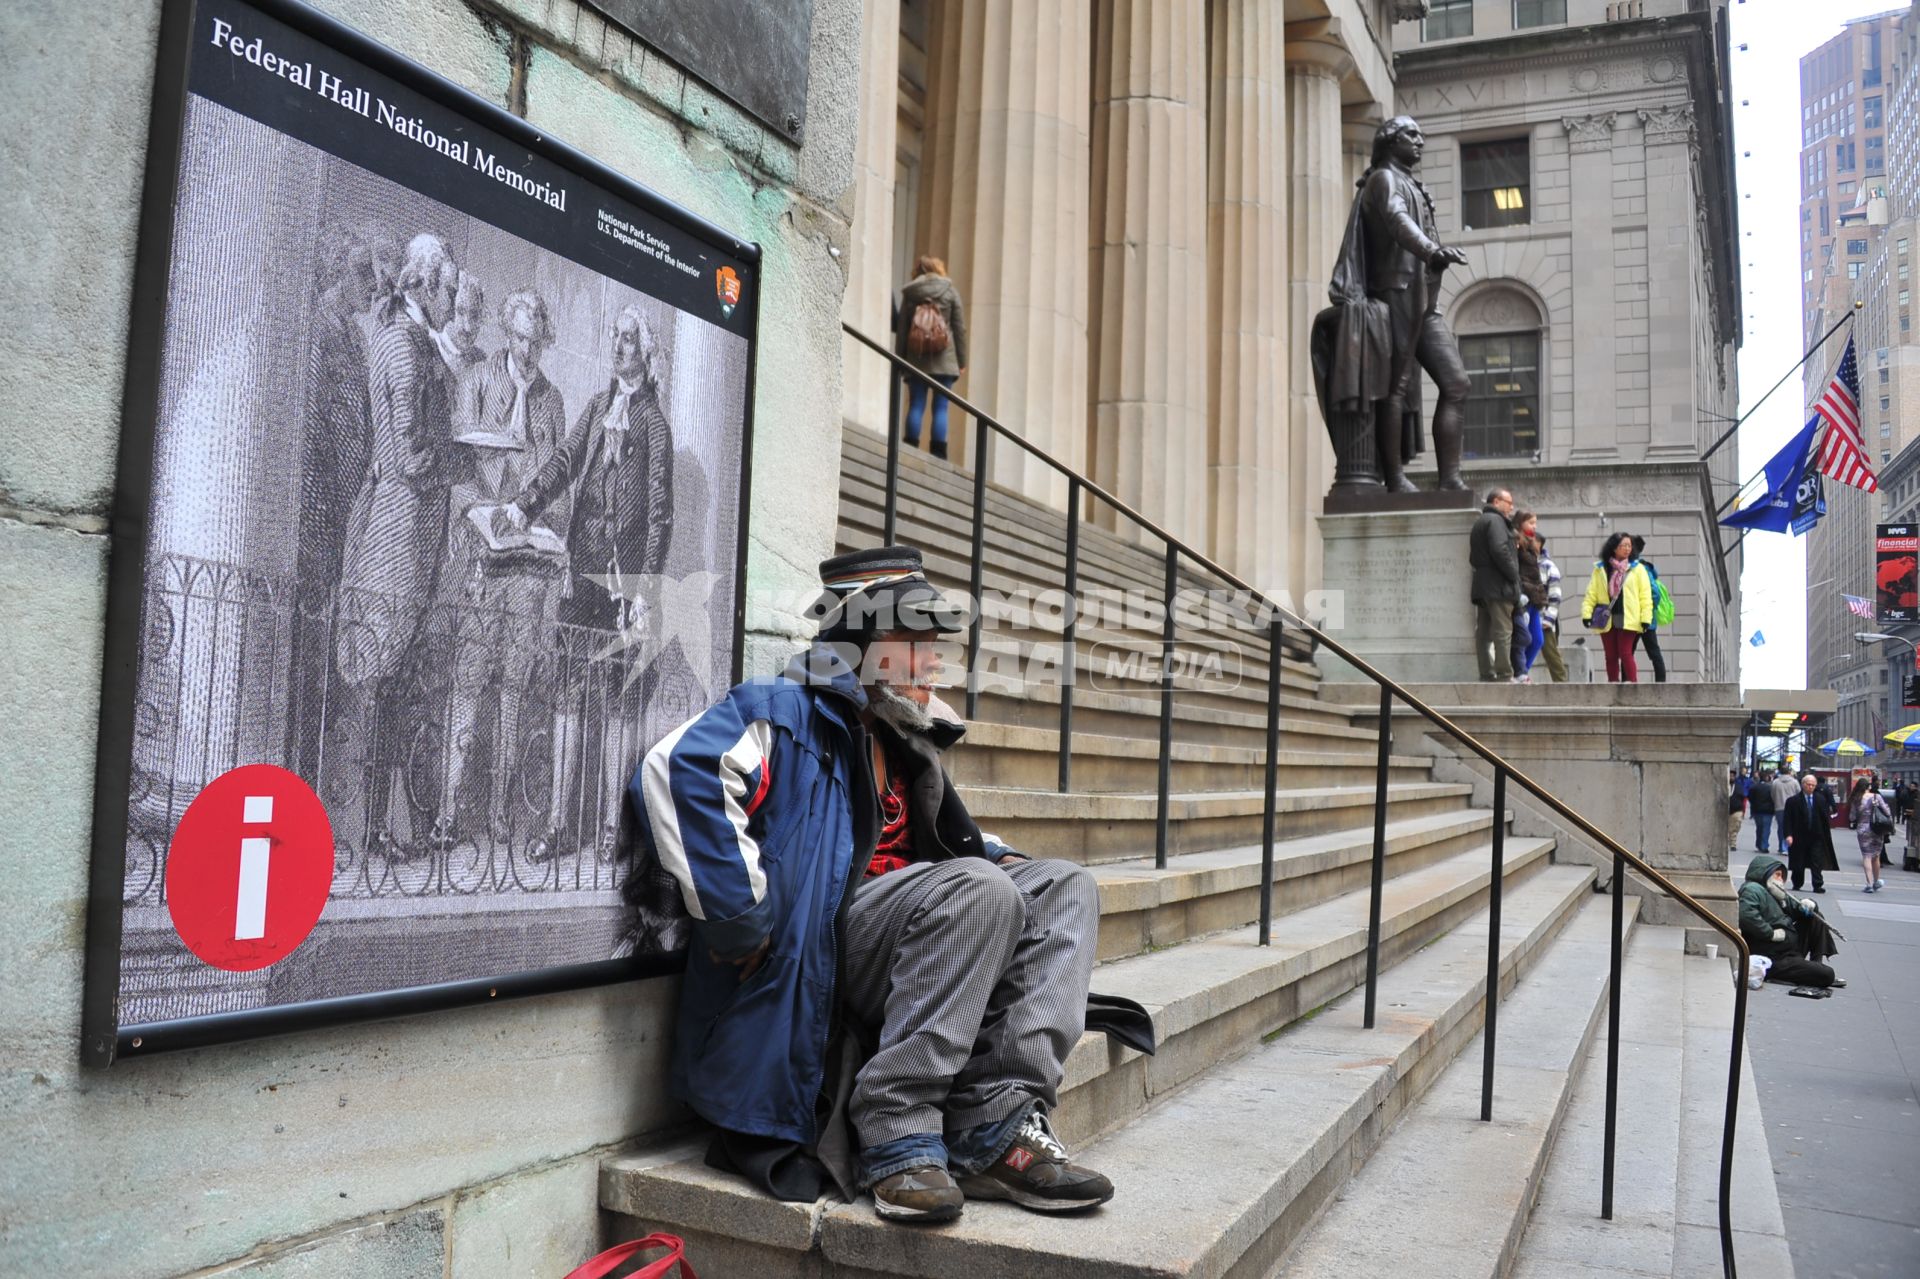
(1843, 454)
(1859, 607)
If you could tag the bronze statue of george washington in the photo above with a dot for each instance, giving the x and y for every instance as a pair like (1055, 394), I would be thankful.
(1384, 322)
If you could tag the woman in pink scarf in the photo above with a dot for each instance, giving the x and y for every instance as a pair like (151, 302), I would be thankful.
(1619, 605)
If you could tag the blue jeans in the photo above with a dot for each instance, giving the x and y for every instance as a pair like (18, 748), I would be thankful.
(917, 395)
(965, 1152)
(1765, 822)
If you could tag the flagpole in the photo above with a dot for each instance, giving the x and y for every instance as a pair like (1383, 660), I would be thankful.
(1734, 496)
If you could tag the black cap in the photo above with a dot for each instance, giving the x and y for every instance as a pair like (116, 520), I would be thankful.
(878, 590)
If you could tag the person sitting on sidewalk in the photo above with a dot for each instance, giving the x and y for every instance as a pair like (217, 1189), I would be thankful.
(837, 884)
(1782, 927)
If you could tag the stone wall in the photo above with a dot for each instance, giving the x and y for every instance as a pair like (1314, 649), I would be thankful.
(460, 1143)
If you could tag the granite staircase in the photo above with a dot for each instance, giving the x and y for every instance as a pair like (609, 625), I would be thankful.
(1271, 1134)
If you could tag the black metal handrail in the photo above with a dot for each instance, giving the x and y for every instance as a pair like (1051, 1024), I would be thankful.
(1079, 486)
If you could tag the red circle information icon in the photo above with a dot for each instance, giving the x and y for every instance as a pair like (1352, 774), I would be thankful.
(250, 868)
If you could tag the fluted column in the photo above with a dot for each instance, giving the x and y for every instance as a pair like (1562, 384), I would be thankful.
(1006, 204)
(1317, 204)
(1247, 330)
(1147, 279)
(867, 303)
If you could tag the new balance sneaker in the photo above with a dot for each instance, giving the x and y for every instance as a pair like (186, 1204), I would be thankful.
(926, 1193)
(1035, 1173)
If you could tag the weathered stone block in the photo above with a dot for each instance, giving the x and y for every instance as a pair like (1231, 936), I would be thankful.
(536, 1226)
(412, 1246)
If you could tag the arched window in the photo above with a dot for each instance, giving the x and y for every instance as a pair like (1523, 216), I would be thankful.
(1501, 335)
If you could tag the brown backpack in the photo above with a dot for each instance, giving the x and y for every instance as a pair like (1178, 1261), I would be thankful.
(928, 336)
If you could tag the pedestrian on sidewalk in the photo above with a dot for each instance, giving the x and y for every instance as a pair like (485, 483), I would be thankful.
(1662, 611)
(1806, 827)
(1736, 808)
(1785, 787)
(1783, 927)
(1872, 824)
(1618, 604)
(931, 325)
(1550, 617)
(1760, 800)
(1528, 633)
(1496, 586)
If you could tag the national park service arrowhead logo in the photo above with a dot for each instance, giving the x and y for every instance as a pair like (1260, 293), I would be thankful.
(726, 283)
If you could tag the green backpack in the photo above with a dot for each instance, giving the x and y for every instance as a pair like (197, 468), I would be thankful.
(1662, 604)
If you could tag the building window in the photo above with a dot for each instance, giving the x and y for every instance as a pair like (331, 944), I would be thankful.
(1538, 13)
(1503, 399)
(1870, 112)
(1886, 428)
(1494, 183)
(1903, 296)
(1448, 19)
(1843, 158)
(1857, 247)
(1883, 377)
(1900, 245)
(1906, 323)
(1853, 270)
(1904, 270)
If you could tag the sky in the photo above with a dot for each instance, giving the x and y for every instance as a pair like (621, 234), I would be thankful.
(1766, 129)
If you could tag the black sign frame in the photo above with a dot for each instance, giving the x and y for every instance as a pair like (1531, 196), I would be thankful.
(104, 1039)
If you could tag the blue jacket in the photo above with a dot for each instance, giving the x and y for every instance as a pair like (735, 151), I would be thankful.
(758, 810)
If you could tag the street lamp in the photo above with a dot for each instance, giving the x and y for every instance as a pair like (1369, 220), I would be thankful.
(1868, 637)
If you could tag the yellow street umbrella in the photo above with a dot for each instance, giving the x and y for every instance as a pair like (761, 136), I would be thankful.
(1845, 746)
(1906, 736)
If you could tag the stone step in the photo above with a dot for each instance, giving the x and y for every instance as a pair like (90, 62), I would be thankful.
(1212, 1000)
(1024, 758)
(1143, 908)
(1119, 715)
(1032, 535)
(1457, 1189)
(1019, 605)
(1209, 678)
(1025, 542)
(1675, 1027)
(1104, 828)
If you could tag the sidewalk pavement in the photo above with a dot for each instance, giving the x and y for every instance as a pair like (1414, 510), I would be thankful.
(1839, 1081)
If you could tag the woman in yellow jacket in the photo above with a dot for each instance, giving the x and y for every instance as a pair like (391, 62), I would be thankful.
(1624, 588)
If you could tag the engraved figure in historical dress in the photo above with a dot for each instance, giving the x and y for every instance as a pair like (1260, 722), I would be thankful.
(398, 526)
(334, 449)
(617, 464)
(508, 420)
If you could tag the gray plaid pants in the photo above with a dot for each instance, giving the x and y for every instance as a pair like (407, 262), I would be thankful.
(973, 981)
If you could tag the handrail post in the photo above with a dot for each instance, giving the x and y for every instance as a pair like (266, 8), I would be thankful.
(895, 387)
(982, 446)
(1385, 736)
(1733, 1111)
(1613, 1035)
(1068, 647)
(1491, 1033)
(1273, 780)
(1166, 711)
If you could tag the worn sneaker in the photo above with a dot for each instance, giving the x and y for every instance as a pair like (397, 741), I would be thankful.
(926, 1193)
(1035, 1173)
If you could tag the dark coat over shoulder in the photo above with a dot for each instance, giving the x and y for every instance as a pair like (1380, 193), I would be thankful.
(1496, 566)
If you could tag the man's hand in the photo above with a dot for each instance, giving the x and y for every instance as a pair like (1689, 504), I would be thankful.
(1779, 934)
(1807, 904)
(749, 963)
(1448, 257)
(1789, 841)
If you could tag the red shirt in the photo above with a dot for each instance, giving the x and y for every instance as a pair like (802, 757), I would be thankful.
(894, 848)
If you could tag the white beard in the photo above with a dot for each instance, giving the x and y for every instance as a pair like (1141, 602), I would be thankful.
(896, 710)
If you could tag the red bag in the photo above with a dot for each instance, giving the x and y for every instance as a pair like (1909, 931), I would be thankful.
(615, 1257)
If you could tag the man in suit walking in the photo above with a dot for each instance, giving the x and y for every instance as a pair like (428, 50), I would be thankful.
(1806, 824)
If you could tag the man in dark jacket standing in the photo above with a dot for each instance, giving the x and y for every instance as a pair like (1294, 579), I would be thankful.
(1496, 585)
(835, 880)
(1806, 828)
(1760, 798)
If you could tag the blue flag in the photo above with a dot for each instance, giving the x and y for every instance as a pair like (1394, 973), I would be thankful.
(1790, 501)
(1757, 639)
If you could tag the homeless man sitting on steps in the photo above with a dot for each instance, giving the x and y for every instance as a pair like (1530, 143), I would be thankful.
(862, 954)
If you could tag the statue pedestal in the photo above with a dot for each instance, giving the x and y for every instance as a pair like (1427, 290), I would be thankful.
(1405, 586)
